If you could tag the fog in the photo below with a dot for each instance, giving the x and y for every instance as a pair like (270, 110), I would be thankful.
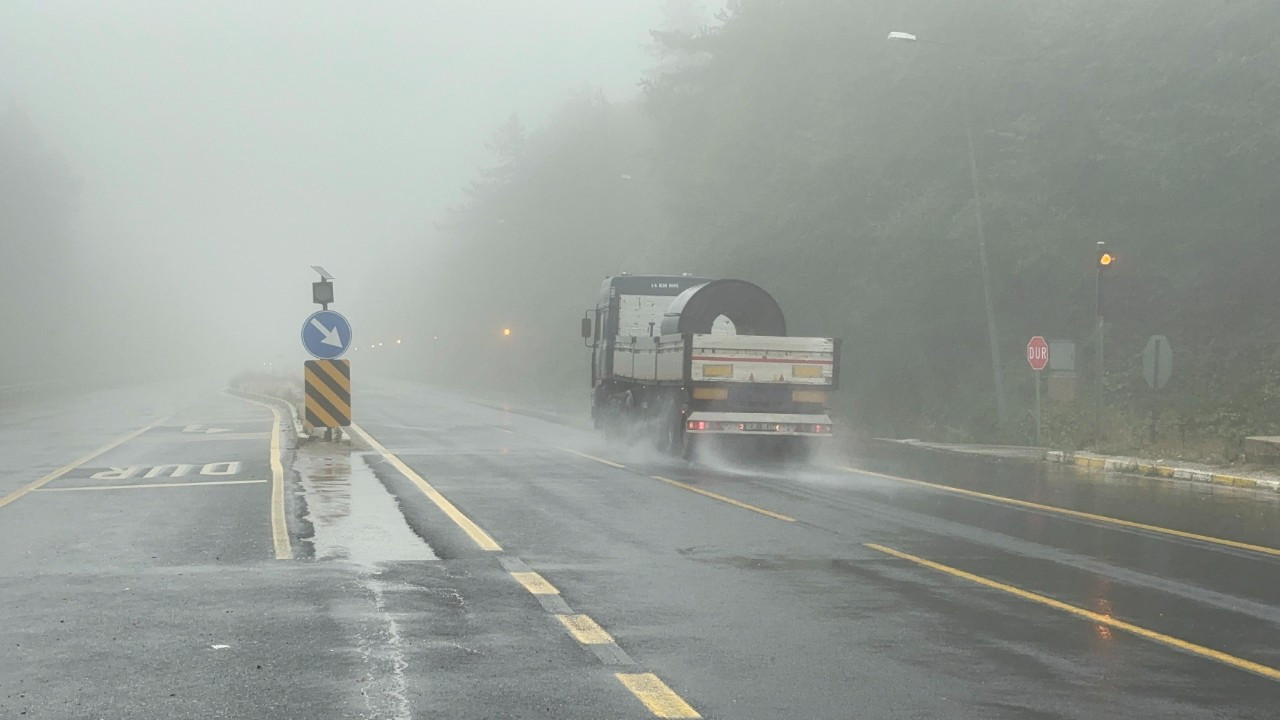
(169, 171)
(214, 150)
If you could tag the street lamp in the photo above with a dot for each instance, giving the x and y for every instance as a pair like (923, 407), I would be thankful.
(997, 370)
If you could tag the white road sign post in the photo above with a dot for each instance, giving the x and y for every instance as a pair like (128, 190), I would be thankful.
(1157, 367)
(1038, 359)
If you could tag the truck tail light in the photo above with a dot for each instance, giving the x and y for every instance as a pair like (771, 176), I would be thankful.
(820, 428)
(697, 424)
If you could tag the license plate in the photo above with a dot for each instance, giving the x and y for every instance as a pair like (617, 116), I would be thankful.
(759, 427)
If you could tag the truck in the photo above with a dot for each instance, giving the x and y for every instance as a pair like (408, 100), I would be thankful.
(688, 362)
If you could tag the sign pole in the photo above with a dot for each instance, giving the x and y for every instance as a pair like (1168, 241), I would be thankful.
(1157, 366)
(1037, 408)
(1155, 407)
(1038, 359)
(326, 335)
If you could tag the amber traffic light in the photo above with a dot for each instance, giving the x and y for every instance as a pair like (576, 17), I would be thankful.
(1106, 258)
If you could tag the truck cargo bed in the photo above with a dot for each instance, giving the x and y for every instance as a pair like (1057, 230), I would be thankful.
(684, 359)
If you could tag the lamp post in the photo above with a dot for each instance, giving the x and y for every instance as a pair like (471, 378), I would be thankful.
(997, 371)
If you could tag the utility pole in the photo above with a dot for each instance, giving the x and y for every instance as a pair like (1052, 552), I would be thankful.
(1105, 260)
(997, 369)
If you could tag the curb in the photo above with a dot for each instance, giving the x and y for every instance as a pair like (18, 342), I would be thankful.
(1132, 465)
(298, 430)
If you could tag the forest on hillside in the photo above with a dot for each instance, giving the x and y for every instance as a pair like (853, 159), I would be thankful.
(789, 143)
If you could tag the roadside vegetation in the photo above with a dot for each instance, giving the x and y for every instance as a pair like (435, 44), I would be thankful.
(790, 144)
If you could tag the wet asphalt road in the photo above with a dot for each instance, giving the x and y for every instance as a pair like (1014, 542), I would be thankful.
(932, 587)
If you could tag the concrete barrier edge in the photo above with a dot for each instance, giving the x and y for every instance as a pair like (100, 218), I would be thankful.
(1091, 462)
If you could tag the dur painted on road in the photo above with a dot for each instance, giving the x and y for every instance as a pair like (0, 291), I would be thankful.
(37, 484)
(150, 486)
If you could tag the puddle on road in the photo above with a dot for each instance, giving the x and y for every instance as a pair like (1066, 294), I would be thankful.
(353, 516)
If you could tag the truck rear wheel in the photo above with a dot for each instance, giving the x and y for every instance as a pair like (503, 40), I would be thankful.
(670, 437)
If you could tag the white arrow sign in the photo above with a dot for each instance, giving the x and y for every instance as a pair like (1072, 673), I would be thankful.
(330, 334)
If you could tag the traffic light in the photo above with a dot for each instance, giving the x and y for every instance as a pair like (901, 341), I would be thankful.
(1106, 258)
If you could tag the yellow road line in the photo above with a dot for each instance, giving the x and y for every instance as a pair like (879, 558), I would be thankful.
(1200, 650)
(610, 463)
(723, 499)
(279, 523)
(584, 629)
(473, 531)
(147, 486)
(661, 700)
(37, 484)
(690, 488)
(535, 583)
(1077, 514)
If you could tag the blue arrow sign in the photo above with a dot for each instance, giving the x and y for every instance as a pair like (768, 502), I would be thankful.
(326, 334)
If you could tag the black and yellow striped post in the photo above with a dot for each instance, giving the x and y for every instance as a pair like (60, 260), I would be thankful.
(328, 393)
